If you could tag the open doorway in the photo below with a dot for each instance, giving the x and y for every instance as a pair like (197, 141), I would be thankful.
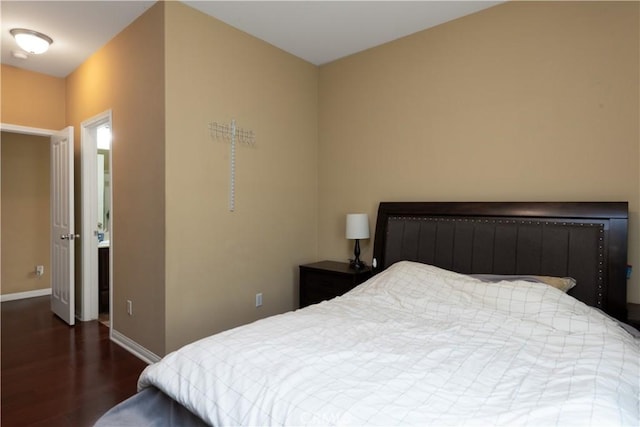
(97, 241)
(62, 236)
(26, 221)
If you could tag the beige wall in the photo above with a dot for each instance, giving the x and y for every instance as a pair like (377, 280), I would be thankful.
(524, 101)
(218, 260)
(26, 221)
(127, 76)
(32, 99)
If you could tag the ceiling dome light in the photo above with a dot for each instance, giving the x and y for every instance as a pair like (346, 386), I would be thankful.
(31, 41)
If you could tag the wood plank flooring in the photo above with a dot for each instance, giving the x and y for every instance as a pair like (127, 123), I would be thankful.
(56, 375)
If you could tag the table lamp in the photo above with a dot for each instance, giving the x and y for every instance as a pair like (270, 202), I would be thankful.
(357, 228)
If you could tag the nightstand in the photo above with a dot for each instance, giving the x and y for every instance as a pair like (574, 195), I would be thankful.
(324, 280)
(633, 311)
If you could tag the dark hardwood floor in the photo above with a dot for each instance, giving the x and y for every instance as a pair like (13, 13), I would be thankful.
(58, 375)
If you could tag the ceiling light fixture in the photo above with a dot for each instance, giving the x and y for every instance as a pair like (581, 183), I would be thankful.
(31, 41)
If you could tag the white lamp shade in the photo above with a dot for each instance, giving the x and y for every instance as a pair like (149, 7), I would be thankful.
(357, 226)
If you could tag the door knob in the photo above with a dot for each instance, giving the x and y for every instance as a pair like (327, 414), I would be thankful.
(69, 236)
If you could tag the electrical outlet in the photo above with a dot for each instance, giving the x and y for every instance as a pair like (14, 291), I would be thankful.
(258, 299)
(129, 307)
(39, 270)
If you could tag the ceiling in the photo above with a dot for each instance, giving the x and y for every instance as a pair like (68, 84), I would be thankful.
(78, 28)
(316, 31)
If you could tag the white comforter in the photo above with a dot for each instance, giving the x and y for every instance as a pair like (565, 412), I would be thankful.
(415, 345)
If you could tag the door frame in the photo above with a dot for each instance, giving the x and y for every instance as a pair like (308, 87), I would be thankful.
(26, 130)
(89, 190)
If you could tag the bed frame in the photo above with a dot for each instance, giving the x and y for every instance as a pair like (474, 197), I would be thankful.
(587, 241)
(583, 240)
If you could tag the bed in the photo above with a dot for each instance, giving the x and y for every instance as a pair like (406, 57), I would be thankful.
(478, 314)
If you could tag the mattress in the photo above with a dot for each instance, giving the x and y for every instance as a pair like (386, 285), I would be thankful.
(415, 345)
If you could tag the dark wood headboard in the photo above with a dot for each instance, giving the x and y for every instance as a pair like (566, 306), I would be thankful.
(583, 240)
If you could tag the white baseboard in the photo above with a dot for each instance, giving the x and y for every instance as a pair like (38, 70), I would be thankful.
(27, 294)
(133, 347)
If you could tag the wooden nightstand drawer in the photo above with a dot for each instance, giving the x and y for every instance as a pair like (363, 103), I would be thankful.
(324, 280)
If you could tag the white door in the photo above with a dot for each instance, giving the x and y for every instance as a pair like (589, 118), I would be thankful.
(62, 227)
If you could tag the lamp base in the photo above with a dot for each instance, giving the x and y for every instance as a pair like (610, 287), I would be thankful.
(357, 264)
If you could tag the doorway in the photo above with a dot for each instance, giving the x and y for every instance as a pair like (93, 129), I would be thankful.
(26, 221)
(97, 230)
(62, 236)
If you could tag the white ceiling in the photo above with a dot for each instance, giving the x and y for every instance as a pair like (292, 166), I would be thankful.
(323, 31)
(317, 31)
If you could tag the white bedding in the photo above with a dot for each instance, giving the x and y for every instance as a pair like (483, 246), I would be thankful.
(415, 345)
